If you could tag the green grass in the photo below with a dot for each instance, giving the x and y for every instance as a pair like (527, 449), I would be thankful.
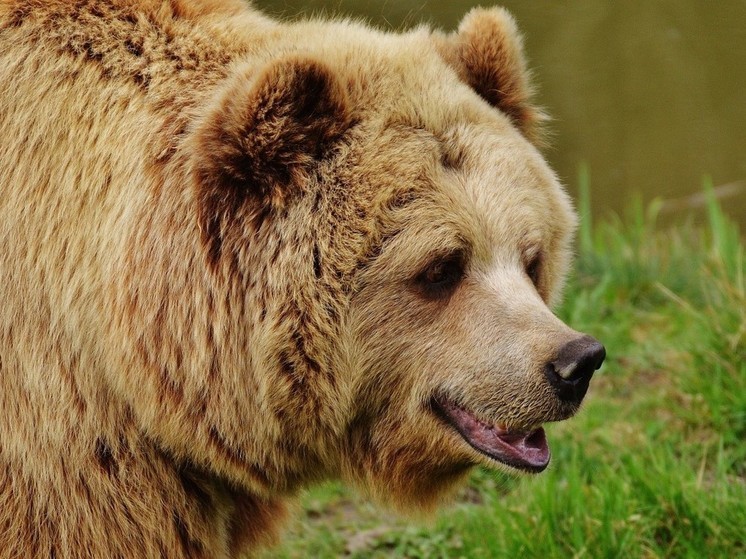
(653, 466)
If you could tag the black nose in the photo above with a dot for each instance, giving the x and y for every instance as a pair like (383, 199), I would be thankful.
(570, 373)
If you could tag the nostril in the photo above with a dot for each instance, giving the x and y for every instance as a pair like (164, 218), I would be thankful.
(574, 366)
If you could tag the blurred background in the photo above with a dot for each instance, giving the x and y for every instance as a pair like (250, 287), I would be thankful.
(650, 95)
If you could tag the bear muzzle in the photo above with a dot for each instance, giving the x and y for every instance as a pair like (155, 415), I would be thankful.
(524, 447)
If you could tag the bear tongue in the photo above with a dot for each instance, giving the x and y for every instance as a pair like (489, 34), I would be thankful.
(523, 450)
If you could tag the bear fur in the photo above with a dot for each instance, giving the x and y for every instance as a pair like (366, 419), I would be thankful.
(239, 256)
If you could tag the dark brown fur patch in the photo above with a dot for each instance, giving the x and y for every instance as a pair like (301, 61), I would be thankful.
(134, 46)
(300, 346)
(260, 144)
(194, 487)
(254, 520)
(18, 16)
(452, 157)
(176, 9)
(171, 388)
(105, 457)
(218, 442)
(190, 546)
(316, 261)
(287, 367)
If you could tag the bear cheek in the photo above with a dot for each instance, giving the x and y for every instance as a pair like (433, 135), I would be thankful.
(394, 444)
(406, 461)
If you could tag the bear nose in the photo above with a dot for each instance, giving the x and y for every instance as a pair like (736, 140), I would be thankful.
(570, 373)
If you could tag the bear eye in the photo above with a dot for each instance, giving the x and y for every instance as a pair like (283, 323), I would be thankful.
(442, 276)
(533, 269)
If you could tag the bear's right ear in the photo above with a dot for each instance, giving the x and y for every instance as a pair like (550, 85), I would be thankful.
(260, 140)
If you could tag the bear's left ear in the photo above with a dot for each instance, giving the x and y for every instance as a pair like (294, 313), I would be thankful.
(487, 54)
(256, 146)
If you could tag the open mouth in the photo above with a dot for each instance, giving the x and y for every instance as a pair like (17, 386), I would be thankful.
(522, 449)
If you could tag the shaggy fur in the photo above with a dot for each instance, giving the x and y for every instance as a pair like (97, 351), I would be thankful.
(212, 227)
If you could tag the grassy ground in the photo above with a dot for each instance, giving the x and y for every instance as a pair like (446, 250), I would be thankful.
(654, 465)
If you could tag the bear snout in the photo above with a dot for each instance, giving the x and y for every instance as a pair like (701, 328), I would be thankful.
(571, 371)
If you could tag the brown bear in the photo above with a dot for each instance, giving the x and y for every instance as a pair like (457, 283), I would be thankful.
(239, 256)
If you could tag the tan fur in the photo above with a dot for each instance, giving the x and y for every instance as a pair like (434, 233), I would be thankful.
(210, 223)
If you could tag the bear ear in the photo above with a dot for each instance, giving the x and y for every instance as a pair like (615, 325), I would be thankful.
(259, 141)
(487, 53)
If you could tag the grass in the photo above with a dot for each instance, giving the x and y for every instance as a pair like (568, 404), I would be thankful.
(654, 465)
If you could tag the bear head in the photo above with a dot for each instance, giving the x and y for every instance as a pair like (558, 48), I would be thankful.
(394, 241)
